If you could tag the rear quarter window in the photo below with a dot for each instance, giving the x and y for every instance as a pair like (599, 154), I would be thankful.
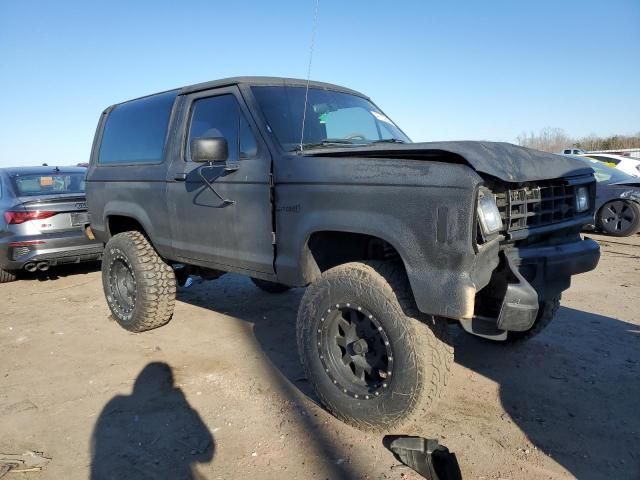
(135, 131)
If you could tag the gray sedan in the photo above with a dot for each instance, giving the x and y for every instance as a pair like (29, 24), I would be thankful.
(617, 200)
(43, 214)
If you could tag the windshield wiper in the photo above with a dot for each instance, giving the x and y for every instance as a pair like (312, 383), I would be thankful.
(389, 140)
(342, 142)
(323, 143)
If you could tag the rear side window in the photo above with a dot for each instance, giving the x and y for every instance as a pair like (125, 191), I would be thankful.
(135, 131)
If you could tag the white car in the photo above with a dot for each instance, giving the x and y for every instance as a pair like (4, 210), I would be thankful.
(629, 165)
(572, 151)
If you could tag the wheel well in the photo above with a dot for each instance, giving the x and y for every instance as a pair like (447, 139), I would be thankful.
(120, 223)
(330, 249)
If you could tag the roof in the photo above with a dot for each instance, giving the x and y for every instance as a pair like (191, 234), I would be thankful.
(252, 81)
(265, 81)
(13, 171)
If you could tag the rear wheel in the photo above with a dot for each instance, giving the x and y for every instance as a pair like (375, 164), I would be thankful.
(374, 360)
(139, 286)
(619, 218)
(271, 287)
(6, 277)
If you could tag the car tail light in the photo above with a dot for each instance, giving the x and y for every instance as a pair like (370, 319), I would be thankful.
(17, 217)
(28, 243)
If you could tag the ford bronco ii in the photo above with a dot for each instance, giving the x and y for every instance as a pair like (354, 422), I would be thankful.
(299, 184)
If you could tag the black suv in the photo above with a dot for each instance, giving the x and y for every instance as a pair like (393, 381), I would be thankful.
(300, 184)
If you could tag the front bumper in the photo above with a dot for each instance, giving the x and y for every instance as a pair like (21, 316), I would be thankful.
(55, 249)
(549, 268)
(525, 278)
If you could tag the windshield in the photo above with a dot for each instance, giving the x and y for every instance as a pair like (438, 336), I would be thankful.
(49, 184)
(332, 118)
(605, 174)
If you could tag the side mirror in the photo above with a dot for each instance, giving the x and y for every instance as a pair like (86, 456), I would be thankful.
(209, 150)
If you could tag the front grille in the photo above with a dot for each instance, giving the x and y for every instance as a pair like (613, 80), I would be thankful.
(531, 207)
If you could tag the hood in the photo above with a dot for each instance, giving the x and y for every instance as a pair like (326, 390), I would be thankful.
(631, 182)
(505, 161)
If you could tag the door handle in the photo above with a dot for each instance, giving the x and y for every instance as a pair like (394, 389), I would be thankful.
(180, 177)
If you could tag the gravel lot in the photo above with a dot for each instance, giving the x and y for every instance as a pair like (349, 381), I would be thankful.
(234, 402)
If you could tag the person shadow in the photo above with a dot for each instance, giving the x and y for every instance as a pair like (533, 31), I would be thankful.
(151, 434)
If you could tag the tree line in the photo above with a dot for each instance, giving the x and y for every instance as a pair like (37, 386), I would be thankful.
(555, 140)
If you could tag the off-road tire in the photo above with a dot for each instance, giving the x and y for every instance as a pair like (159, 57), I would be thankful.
(154, 282)
(546, 313)
(6, 277)
(270, 287)
(422, 353)
(630, 208)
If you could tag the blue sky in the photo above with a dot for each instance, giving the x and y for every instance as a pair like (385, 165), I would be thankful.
(442, 70)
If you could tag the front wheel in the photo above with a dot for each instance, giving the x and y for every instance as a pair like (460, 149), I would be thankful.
(139, 286)
(619, 218)
(374, 360)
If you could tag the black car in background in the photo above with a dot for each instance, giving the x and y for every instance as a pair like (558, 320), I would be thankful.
(617, 207)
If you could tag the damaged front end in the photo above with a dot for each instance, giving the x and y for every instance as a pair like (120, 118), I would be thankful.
(492, 280)
(540, 248)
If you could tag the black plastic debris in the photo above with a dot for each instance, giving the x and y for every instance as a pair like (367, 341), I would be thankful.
(424, 455)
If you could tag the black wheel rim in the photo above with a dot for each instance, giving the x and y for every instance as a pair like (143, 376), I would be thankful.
(617, 217)
(122, 284)
(355, 351)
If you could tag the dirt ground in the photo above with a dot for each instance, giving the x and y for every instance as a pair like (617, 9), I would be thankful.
(219, 392)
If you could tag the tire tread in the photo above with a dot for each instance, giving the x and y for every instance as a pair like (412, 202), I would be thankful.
(428, 342)
(156, 288)
(6, 277)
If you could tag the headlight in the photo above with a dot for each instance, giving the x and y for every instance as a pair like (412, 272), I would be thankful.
(582, 199)
(488, 214)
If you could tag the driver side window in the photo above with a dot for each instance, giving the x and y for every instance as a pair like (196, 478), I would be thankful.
(221, 117)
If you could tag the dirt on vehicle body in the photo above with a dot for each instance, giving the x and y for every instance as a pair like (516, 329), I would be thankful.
(297, 184)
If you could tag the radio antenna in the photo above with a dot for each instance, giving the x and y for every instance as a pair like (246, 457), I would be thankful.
(306, 91)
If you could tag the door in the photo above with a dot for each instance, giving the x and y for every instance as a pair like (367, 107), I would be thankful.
(235, 235)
